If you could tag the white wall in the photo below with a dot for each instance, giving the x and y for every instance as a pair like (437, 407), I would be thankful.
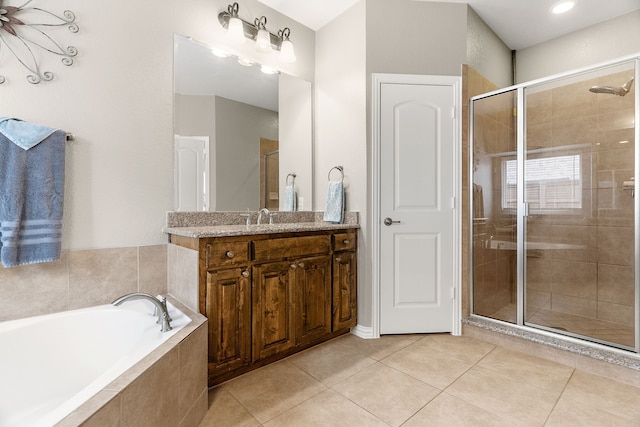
(486, 52)
(602, 42)
(340, 124)
(117, 100)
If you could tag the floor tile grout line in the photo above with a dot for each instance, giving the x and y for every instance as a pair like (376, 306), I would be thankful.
(546, 420)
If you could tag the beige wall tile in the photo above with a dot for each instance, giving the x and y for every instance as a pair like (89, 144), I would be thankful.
(574, 305)
(151, 399)
(152, 269)
(182, 275)
(98, 276)
(34, 289)
(578, 279)
(619, 313)
(572, 101)
(616, 284)
(193, 368)
(538, 108)
(615, 246)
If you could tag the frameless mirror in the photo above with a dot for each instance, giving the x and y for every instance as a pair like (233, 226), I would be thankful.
(241, 132)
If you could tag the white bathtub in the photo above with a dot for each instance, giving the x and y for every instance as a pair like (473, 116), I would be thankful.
(50, 365)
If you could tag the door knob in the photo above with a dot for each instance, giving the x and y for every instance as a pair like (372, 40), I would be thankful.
(389, 221)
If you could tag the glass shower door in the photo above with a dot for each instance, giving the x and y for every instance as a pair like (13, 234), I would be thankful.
(494, 209)
(578, 183)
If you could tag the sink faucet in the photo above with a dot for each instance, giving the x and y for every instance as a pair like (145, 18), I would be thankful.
(160, 307)
(263, 211)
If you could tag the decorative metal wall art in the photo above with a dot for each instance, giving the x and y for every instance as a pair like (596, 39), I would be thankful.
(22, 34)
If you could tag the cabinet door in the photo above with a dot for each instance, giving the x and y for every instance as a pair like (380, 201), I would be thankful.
(344, 290)
(313, 298)
(272, 308)
(228, 308)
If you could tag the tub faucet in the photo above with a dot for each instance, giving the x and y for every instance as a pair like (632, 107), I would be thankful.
(161, 307)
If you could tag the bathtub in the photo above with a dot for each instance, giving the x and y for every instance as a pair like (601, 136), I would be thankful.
(52, 364)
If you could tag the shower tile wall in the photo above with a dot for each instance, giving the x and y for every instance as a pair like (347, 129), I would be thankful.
(594, 280)
(81, 278)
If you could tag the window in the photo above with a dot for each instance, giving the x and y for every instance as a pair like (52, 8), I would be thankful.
(552, 184)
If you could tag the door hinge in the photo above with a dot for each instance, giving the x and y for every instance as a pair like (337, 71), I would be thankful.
(453, 203)
(453, 293)
(453, 112)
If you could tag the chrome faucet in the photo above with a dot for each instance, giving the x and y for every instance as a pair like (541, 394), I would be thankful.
(160, 307)
(264, 211)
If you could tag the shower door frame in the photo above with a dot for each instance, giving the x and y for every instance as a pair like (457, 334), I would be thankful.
(522, 208)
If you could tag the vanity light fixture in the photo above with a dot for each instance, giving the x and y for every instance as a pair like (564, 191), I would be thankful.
(257, 32)
(287, 53)
(235, 26)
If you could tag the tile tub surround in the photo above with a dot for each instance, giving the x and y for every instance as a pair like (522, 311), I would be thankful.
(81, 278)
(168, 388)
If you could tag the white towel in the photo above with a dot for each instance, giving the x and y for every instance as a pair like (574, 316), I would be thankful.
(335, 203)
(290, 202)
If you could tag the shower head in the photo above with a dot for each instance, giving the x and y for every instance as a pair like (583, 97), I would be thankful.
(620, 91)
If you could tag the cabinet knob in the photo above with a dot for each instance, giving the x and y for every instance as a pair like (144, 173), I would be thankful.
(301, 264)
(337, 259)
(245, 273)
(346, 241)
(230, 254)
(293, 266)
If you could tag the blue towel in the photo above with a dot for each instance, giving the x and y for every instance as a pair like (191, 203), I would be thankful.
(290, 202)
(23, 134)
(334, 210)
(31, 196)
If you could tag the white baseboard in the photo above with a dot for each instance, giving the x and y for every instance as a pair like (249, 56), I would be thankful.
(365, 332)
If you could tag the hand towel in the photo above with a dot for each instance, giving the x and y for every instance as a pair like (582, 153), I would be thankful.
(290, 202)
(334, 210)
(23, 134)
(31, 198)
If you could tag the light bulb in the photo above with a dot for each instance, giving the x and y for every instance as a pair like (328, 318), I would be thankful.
(236, 29)
(287, 53)
(263, 40)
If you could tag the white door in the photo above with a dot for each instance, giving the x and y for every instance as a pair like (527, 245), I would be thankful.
(417, 248)
(191, 173)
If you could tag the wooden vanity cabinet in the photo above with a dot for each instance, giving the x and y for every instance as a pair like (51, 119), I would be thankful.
(269, 296)
(345, 305)
(226, 302)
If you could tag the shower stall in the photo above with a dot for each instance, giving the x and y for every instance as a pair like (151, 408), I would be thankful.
(555, 217)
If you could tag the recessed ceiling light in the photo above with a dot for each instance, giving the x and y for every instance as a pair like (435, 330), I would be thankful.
(562, 7)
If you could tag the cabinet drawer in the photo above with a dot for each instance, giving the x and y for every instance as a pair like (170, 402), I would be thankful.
(265, 250)
(344, 241)
(227, 253)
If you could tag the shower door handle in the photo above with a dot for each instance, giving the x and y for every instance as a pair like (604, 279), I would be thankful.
(389, 221)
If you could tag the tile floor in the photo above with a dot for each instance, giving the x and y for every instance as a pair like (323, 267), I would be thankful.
(420, 380)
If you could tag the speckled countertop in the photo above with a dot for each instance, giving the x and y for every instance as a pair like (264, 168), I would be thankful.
(222, 224)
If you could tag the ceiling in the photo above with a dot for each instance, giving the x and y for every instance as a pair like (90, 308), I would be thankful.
(519, 23)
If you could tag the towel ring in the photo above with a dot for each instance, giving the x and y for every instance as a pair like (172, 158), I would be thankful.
(340, 169)
(293, 178)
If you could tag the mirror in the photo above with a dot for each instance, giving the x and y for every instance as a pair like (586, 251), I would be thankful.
(239, 133)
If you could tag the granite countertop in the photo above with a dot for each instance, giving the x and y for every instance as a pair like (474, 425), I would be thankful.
(246, 230)
(222, 224)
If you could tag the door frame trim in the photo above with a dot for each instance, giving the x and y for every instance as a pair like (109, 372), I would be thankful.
(378, 79)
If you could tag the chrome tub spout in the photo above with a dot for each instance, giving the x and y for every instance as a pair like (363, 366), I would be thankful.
(160, 307)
